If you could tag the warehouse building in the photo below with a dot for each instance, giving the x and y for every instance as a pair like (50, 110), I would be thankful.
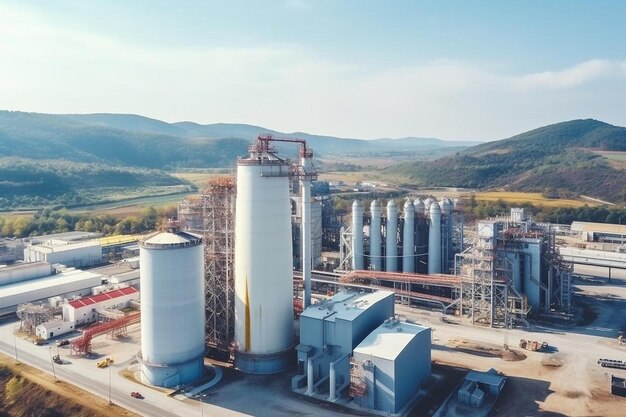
(24, 272)
(85, 310)
(78, 254)
(329, 331)
(390, 365)
(69, 283)
(53, 328)
(600, 232)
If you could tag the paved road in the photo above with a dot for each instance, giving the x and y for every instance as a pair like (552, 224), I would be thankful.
(101, 389)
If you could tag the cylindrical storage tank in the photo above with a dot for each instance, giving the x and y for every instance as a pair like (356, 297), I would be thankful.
(434, 239)
(427, 204)
(357, 235)
(263, 264)
(172, 308)
(391, 244)
(446, 233)
(375, 236)
(419, 207)
(446, 207)
(408, 238)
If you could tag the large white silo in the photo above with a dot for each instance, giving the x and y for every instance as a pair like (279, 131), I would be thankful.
(263, 263)
(172, 308)
(434, 239)
(376, 261)
(391, 244)
(357, 235)
(408, 238)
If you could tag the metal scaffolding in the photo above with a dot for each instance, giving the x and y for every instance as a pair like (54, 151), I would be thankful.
(212, 215)
(32, 315)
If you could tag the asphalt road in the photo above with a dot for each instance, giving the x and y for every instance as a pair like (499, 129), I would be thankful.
(101, 389)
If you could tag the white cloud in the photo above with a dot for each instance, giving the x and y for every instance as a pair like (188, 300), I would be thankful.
(49, 68)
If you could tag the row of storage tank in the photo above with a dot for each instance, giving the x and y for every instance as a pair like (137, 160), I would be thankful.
(421, 240)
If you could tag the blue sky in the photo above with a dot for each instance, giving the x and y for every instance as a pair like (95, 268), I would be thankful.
(449, 69)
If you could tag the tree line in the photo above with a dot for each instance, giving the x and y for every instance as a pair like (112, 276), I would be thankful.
(57, 221)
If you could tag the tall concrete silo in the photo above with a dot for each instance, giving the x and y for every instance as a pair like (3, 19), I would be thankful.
(357, 235)
(391, 244)
(263, 263)
(172, 308)
(408, 238)
(434, 239)
(375, 236)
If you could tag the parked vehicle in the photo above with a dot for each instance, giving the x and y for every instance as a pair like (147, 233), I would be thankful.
(104, 363)
(137, 395)
(63, 342)
(533, 345)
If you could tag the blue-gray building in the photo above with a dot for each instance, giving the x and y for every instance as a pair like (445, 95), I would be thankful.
(329, 332)
(390, 365)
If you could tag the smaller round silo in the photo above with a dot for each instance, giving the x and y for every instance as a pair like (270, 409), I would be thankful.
(357, 235)
(391, 245)
(408, 238)
(434, 239)
(172, 308)
(376, 236)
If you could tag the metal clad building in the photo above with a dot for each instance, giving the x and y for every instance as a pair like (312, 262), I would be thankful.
(330, 330)
(76, 254)
(395, 361)
(23, 272)
(65, 284)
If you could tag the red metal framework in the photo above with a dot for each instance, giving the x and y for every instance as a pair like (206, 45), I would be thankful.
(82, 345)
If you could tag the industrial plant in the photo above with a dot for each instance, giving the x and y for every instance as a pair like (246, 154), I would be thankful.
(258, 273)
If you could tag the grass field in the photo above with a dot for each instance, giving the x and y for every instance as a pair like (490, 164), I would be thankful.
(200, 178)
(536, 199)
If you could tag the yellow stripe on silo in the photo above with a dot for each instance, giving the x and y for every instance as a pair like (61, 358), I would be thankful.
(247, 319)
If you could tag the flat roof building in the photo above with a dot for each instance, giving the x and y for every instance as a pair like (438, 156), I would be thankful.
(84, 310)
(23, 272)
(329, 331)
(76, 254)
(390, 365)
(71, 282)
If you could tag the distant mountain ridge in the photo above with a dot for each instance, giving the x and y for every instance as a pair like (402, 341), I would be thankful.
(170, 145)
(563, 157)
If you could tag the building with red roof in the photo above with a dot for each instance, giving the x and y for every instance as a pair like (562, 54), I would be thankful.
(84, 310)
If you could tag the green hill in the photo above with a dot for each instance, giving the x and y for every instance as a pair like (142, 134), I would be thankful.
(28, 183)
(568, 157)
(126, 139)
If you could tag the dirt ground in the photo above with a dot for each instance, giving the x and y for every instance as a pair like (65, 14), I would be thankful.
(565, 380)
(35, 398)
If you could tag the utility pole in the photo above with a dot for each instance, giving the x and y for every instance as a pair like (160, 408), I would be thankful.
(15, 345)
(110, 403)
(52, 362)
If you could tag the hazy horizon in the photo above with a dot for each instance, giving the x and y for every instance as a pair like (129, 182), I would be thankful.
(357, 69)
